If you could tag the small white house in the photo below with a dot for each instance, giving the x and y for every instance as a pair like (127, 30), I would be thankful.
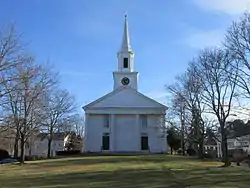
(125, 120)
(38, 145)
(241, 142)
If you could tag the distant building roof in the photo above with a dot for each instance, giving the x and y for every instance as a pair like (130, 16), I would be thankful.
(211, 141)
(55, 136)
(238, 129)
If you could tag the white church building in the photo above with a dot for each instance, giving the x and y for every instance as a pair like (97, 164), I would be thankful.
(125, 120)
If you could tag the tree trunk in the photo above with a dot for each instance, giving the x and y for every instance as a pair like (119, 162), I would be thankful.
(182, 136)
(49, 147)
(201, 148)
(183, 149)
(200, 152)
(16, 146)
(22, 157)
(171, 150)
(50, 141)
(225, 157)
(30, 148)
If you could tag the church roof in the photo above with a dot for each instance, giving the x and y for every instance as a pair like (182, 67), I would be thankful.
(125, 97)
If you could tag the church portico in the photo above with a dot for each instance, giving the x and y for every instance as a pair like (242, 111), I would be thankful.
(125, 120)
(126, 133)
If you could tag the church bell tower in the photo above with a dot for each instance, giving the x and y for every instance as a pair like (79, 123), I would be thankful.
(125, 76)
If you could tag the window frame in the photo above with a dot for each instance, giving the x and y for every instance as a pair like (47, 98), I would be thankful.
(125, 62)
(106, 121)
(144, 121)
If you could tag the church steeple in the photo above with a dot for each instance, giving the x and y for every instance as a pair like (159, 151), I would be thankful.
(125, 76)
(125, 55)
(125, 47)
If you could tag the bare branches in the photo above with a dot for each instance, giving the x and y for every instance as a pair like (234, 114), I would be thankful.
(219, 80)
(218, 77)
(208, 85)
(24, 99)
(238, 44)
(59, 106)
(29, 96)
(188, 104)
(78, 124)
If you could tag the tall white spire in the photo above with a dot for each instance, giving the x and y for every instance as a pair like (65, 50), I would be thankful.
(125, 74)
(125, 47)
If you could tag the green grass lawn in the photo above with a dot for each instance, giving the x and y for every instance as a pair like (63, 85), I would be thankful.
(154, 171)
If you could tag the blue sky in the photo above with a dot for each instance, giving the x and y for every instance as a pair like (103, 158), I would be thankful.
(81, 37)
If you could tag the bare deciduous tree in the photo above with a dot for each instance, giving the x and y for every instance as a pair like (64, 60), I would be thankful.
(188, 91)
(25, 102)
(194, 96)
(179, 107)
(24, 89)
(59, 105)
(219, 79)
(78, 124)
(12, 55)
(238, 44)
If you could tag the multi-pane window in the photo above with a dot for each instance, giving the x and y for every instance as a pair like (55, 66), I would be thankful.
(125, 63)
(144, 122)
(106, 121)
(230, 144)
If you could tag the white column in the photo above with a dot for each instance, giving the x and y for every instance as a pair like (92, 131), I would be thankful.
(112, 132)
(139, 131)
(219, 152)
(85, 142)
(164, 139)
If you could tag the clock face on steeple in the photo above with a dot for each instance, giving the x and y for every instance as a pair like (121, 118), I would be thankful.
(125, 81)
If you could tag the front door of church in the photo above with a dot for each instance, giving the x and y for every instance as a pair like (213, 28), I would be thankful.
(105, 142)
(144, 143)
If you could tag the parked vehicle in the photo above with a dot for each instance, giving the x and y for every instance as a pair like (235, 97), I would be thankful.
(8, 160)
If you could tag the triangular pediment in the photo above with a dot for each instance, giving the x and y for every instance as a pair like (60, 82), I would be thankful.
(125, 97)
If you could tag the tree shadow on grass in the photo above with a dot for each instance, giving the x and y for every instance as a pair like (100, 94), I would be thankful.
(151, 178)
